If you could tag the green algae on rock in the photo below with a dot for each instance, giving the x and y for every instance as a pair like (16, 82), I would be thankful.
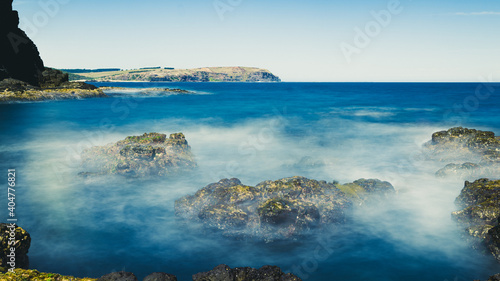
(282, 209)
(35, 275)
(480, 213)
(22, 244)
(12, 90)
(150, 154)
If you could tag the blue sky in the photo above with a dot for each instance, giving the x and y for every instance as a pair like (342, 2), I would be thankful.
(315, 40)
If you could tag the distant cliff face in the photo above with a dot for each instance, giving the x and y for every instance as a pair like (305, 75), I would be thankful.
(19, 58)
(205, 74)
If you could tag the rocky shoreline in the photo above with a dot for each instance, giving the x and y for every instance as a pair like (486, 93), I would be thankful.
(12, 90)
(23, 76)
(219, 273)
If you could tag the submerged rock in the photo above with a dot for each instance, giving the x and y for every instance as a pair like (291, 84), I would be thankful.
(151, 154)
(478, 151)
(480, 203)
(225, 273)
(285, 208)
(21, 243)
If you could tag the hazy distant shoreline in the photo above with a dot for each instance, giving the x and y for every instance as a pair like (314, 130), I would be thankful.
(158, 74)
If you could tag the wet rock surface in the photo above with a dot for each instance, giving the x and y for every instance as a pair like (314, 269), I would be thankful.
(21, 243)
(282, 209)
(118, 276)
(225, 273)
(480, 213)
(151, 154)
(160, 276)
(470, 153)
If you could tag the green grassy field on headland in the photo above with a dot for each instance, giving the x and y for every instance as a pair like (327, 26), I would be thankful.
(158, 74)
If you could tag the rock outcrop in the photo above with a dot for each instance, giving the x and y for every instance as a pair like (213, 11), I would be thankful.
(495, 277)
(160, 276)
(225, 273)
(219, 273)
(23, 76)
(140, 156)
(480, 213)
(118, 276)
(282, 209)
(35, 275)
(470, 153)
(21, 241)
(19, 58)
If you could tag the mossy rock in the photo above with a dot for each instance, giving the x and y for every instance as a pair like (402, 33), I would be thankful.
(285, 208)
(150, 154)
(35, 275)
(480, 213)
(22, 245)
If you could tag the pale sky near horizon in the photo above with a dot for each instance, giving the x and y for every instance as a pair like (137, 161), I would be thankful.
(315, 40)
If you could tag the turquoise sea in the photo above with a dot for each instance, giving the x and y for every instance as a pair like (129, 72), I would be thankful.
(254, 132)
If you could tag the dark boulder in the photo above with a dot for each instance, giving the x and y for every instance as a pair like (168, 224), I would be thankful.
(160, 276)
(480, 212)
(225, 273)
(118, 276)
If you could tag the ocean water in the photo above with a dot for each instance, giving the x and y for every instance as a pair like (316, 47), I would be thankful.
(255, 132)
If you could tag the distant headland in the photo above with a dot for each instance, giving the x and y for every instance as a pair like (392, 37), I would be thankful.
(169, 74)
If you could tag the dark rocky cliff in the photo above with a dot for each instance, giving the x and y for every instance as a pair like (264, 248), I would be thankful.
(19, 57)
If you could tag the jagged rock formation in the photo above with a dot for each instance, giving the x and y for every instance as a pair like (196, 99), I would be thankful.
(282, 209)
(19, 58)
(477, 153)
(23, 76)
(22, 244)
(160, 276)
(140, 156)
(225, 273)
(480, 203)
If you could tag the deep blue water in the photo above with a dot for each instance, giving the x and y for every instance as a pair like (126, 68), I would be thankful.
(256, 132)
